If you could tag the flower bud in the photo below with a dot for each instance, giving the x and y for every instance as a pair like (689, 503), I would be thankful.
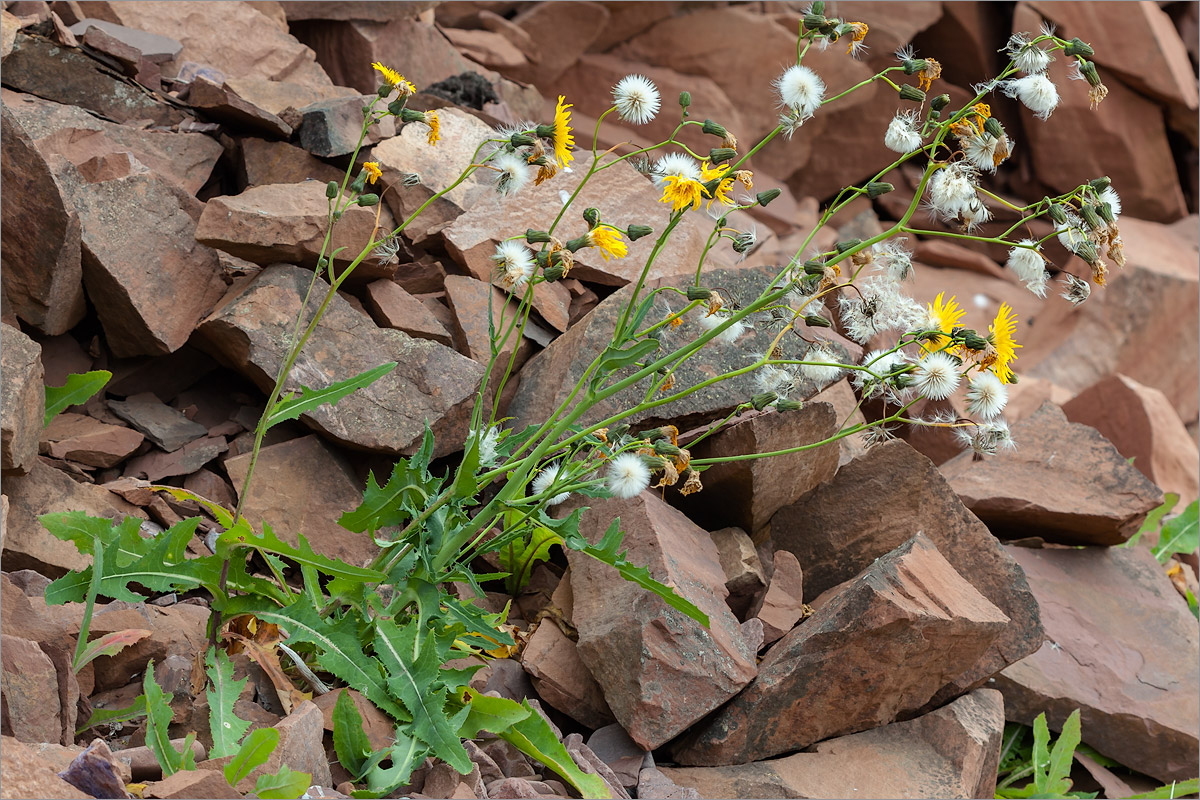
(913, 65)
(1088, 70)
(847, 244)
(993, 126)
(396, 107)
(718, 155)
(617, 431)
(939, 102)
(1077, 47)
(814, 267)
(973, 341)
(358, 184)
(635, 232)
(877, 188)
(553, 273)
(1058, 214)
(409, 115)
(366, 111)
(698, 293)
(1086, 250)
(766, 197)
(912, 93)
(367, 199)
(384, 90)
(784, 404)
(1106, 213)
(543, 258)
(817, 321)
(591, 216)
(577, 244)
(665, 448)
(815, 21)
(818, 7)
(1100, 184)
(1090, 216)
(685, 100)
(761, 401)
(536, 237)
(331, 190)
(714, 129)
(654, 434)
(322, 262)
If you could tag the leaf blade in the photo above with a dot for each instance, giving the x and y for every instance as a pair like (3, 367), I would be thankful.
(78, 389)
(226, 728)
(310, 399)
(254, 752)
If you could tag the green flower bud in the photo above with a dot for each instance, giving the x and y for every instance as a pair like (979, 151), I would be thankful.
(939, 102)
(817, 321)
(718, 155)
(384, 90)
(1058, 213)
(914, 65)
(536, 237)
(331, 190)
(359, 183)
(1106, 213)
(409, 115)
(591, 216)
(784, 404)
(1086, 250)
(814, 21)
(1077, 47)
(577, 244)
(698, 293)
(818, 7)
(1091, 217)
(521, 140)
(912, 93)
(993, 126)
(553, 273)
(814, 267)
(1088, 70)
(617, 431)
(322, 262)
(654, 434)
(877, 188)
(665, 448)
(543, 258)
(848, 244)
(396, 107)
(366, 111)
(635, 232)
(973, 341)
(761, 401)
(714, 129)
(367, 199)
(685, 100)
(1100, 184)
(766, 197)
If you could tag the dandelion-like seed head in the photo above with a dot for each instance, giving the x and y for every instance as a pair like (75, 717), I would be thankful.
(903, 133)
(894, 259)
(637, 99)
(514, 173)
(488, 442)
(1077, 291)
(822, 366)
(677, 165)
(800, 89)
(515, 263)
(714, 320)
(986, 438)
(1028, 57)
(628, 476)
(952, 189)
(1036, 92)
(1029, 266)
(545, 479)
(936, 375)
(986, 395)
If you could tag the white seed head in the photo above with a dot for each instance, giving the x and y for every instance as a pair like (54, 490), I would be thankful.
(1029, 266)
(825, 366)
(628, 476)
(902, 134)
(514, 173)
(637, 99)
(1036, 92)
(515, 263)
(544, 480)
(677, 164)
(936, 376)
(1110, 196)
(1029, 58)
(952, 189)
(730, 335)
(986, 438)
(986, 395)
(801, 90)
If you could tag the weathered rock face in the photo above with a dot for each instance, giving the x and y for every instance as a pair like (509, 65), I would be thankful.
(562, 679)
(31, 704)
(89, 441)
(951, 752)
(330, 128)
(743, 569)
(549, 378)
(143, 312)
(644, 654)
(22, 400)
(27, 774)
(1122, 648)
(873, 505)
(1064, 482)
(1142, 425)
(43, 278)
(782, 605)
(915, 620)
(748, 493)
(252, 328)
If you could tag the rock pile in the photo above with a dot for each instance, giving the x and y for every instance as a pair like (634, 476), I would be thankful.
(876, 615)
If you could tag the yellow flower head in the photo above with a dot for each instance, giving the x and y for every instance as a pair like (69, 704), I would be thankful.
(681, 192)
(608, 241)
(858, 32)
(717, 173)
(395, 79)
(928, 74)
(435, 127)
(1001, 340)
(945, 317)
(563, 141)
(373, 171)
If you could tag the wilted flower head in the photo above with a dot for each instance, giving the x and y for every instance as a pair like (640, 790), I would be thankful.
(878, 305)
(801, 90)
(986, 438)
(1029, 266)
(985, 151)
(513, 175)
(637, 99)
(1028, 57)
(1078, 290)
(1036, 92)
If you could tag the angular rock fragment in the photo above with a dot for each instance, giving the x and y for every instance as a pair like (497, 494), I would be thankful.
(622, 755)
(748, 493)
(431, 384)
(22, 400)
(881, 648)
(331, 128)
(32, 711)
(161, 424)
(1064, 482)
(88, 441)
(25, 773)
(873, 505)
(951, 752)
(265, 162)
(1122, 647)
(220, 102)
(155, 465)
(642, 652)
(782, 605)
(743, 570)
(392, 307)
(562, 679)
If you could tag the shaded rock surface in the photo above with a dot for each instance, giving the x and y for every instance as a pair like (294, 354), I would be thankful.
(22, 400)
(909, 614)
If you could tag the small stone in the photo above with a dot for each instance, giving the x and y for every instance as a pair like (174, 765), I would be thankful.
(624, 757)
(653, 784)
(197, 784)
(80, 438)
(162, 425)
(300, 744)
(22, 400)
(331, 128)
(782, 605)
(562, 679)
(392, 307)
(97, 772)
(743, 571)
(155, 466)
(592, 764)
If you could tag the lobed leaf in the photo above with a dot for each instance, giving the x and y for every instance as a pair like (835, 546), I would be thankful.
(350, 741)
(78, 389)
(158, 719)
(226, 727)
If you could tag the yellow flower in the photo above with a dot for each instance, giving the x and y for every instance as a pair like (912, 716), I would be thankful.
(945, 317)
(928, 74)
(608, 241)
(373, 171)
(435, 127)
(563, 141)
(858, 32)
(395, 79)
(717, 173)
(681, 192)
(1001, 340)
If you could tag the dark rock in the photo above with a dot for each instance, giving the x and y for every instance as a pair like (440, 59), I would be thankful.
(873, 505)
(97, 772)
(161, 424)
(330, 128)
(1064, 482)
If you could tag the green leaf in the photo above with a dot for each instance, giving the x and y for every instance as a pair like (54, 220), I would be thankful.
(1058, 777)
(464, 480)
(1167, 792)
(158, 719)
(413, 666)
(283, 785)
(267, 542)
(227, 728)
(309, 399)
(1041, 754)
(407, 491)
(103, 716)
(406, 754)
(253, 753)
(1179, 535)
(491, 714)
(521, 555)
(350, 741)
(533, 737)
(613, 359)
(109, 645)
(339, 651)
(78, 389)
(81, 530)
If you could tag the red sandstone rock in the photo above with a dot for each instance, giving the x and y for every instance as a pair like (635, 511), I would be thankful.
(22, 396)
